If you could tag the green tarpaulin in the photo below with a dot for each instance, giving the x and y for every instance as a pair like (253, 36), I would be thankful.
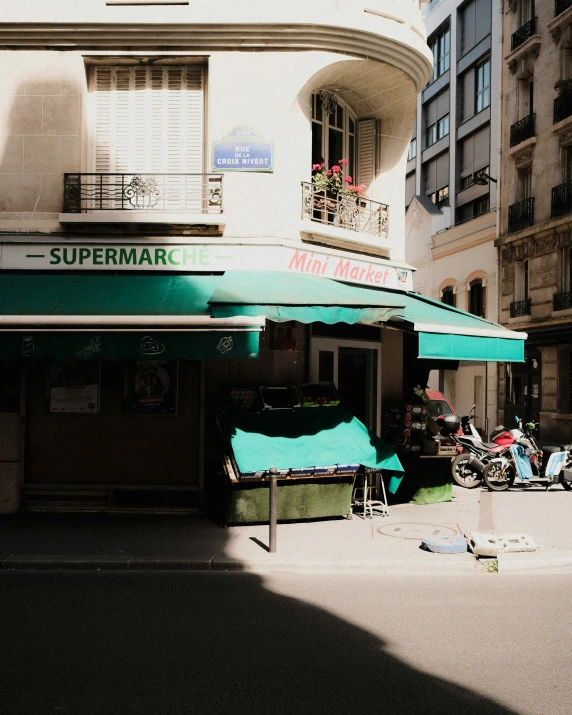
(308, 437)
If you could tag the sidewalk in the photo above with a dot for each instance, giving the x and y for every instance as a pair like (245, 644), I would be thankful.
(388, 544)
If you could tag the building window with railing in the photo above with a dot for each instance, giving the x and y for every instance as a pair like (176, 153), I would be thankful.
(563, 102)
(521, 213)
(448, 296)
(563, 299)
(483, 87)
(526, 24)
(440, 46)
(562, 194)
(522, 304)
(477, 298)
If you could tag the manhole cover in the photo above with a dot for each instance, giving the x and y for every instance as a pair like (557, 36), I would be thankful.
(417, 531)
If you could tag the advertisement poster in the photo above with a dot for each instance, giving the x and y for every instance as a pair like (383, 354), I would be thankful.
(152, 387)
(74, 386)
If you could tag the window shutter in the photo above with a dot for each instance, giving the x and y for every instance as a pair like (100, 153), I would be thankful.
(442, 170)
(430, 176)
(149, 119)
(443, 104)
(467, 156)
(468, 108)
(482, 148)
(366, 151)
(409, 188)
(430, 113)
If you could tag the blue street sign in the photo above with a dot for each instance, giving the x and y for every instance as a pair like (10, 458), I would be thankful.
(242, 150)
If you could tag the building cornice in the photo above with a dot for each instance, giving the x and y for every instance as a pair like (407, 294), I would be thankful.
(412, 56)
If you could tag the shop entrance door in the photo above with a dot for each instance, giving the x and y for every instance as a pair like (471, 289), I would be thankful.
(11, 436)
(354, 366)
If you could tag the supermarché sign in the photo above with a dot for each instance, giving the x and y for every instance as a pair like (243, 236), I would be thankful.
(196, 258)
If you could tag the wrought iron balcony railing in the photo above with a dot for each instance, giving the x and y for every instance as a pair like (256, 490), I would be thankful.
(523, 33)
(560, 6)
(521, 215)
(519, 308)
(562, 301)
(523, 129)
(562, 199)
(187, 193)
(562, 106)
(342, 210)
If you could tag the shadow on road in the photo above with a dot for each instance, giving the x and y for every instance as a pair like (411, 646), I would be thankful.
(197, 643)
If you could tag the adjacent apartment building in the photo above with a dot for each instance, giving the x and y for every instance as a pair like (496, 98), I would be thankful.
(535, 222)
(451, 185)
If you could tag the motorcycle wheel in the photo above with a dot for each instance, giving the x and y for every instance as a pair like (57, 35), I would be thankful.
(496, 480)
(567, 486)
(464, 475)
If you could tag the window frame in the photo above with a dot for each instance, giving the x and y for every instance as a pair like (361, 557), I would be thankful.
(485, 89)
(480, 298)
(349, 118)
(440, 46)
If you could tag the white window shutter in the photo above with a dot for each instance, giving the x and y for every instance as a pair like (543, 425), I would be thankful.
(367, 136)
(149, 119)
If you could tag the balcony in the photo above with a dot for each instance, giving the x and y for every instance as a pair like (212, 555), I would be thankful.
(560, 6)
(562, 301)
(521, 215)
(563, 106)
(522, 130)
(524, 33)
(562, 199)
(345, 211)
(142, 198)
(520, 308)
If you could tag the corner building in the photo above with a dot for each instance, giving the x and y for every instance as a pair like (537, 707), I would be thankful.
(161, 238)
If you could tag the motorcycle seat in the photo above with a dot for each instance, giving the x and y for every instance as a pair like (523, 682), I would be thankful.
(492, 445)
(548, 449)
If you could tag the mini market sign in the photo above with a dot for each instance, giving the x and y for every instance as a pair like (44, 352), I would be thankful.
(201, 258)
(242, 150)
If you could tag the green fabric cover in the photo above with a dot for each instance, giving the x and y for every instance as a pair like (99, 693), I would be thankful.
(282, 297)
(310, 499)
(308, 437)
(103, 294)
(467, 347)
(128, 346)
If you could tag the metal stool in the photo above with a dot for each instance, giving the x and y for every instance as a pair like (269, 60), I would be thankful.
(366, 491)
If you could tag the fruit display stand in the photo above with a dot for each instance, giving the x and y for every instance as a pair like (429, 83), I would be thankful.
(316, 453)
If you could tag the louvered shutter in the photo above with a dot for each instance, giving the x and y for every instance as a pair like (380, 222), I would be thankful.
(150, 119)
(366, 151)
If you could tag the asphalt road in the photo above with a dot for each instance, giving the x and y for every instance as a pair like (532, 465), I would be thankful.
(236, 643)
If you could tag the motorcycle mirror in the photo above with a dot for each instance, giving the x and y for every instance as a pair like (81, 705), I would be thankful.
(516, 419)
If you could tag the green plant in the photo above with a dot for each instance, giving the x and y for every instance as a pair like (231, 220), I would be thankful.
(333, 179)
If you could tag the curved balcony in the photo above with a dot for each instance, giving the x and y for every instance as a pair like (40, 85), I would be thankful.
(388, 31)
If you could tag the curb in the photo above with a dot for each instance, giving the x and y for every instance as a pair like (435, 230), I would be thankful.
(533, 565)
(50, 562)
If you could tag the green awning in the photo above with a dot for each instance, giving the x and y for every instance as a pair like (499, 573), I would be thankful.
(446, 333)
(282, 297)
(308, 437)
(117, 317)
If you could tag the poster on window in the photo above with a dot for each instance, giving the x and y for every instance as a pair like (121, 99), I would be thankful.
(74, 386)
(152, 387)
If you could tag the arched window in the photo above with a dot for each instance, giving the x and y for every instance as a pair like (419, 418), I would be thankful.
(477, 298)
(333, 131)
(448, 296)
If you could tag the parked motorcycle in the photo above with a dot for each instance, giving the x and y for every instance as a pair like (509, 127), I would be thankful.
(468, 466)
(527, 463)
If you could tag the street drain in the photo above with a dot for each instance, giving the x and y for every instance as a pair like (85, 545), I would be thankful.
(418, 531)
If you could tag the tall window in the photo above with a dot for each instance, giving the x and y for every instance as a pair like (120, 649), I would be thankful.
(436, 117)
(148, 118)
(436, 178)
(521, 280)
(412, 153)
(475, 153)
(475, 17)
(448, 296)
(524, 184)
(477, 297)
(440, 46)
(483, 86)
(567, 163)
(333, 131)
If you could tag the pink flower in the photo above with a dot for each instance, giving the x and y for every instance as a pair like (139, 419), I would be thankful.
(343, 161)
(328, 172)
(348, 179)
(316, 167)
(336, 169)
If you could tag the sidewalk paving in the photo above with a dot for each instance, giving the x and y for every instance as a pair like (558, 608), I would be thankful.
(389, 544)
